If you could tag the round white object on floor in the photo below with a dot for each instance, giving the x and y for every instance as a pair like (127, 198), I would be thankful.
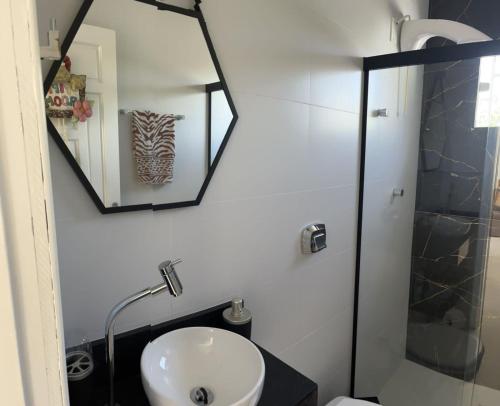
(343, 401)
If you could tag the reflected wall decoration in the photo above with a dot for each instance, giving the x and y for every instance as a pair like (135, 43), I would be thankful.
(150, 125)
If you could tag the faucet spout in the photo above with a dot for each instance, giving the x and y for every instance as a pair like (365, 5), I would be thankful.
(174, 286)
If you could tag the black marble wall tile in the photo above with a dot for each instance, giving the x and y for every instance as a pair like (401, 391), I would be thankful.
(453, 205)
(452, 150)
(481, 14)
(445, 281)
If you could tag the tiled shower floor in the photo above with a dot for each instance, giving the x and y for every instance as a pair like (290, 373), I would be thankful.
(415, 385)
(483, 396)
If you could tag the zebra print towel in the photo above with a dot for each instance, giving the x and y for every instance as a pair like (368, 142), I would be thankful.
(153, 144)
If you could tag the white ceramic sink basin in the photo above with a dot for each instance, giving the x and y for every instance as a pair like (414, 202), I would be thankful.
(207, 364)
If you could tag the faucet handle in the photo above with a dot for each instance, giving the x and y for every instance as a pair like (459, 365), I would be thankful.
(169, 264)
(170, 277)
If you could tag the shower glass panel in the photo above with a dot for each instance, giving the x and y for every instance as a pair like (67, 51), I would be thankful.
(429, 247)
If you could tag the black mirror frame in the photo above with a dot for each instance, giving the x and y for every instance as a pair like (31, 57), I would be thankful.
(194, 13)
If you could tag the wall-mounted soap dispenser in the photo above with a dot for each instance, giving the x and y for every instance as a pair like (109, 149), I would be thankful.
(313, 238)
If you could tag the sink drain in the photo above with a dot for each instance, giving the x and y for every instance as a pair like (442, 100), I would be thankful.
(201, 396)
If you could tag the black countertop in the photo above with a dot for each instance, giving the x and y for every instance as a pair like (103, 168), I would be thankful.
(283, 385)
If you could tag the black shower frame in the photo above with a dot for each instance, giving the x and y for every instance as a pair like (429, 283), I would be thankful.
(195, 13)
(401, 59)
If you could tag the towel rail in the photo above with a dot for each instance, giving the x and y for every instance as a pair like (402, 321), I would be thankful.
(176, 116)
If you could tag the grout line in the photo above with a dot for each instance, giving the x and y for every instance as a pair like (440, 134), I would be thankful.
(242, 92)
(346, 308)
(280, 194)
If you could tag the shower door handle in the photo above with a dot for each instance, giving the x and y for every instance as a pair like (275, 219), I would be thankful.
(398, 192)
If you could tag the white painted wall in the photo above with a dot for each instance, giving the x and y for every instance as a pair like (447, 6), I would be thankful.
(391, 162)
(295, 75)
(32, 346)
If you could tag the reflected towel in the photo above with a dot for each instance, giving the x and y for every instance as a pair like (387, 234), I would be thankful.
(153, 144)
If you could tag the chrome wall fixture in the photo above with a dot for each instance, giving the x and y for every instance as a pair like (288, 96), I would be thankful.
(174, 286)
(398, 192)
(381, 113)
(313, 238)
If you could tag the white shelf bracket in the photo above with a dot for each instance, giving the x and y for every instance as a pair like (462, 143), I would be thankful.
(52, 52)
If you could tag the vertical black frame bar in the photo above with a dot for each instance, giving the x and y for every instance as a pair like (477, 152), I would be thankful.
(209, 130)
(209, 89)
(361, 191)
(411, 58)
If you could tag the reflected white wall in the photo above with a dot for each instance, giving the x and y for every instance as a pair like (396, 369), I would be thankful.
(220, 120)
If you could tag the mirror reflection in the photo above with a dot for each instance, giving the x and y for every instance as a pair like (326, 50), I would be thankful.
(140, 107)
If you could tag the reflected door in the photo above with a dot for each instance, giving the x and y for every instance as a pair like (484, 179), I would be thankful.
(94, 143)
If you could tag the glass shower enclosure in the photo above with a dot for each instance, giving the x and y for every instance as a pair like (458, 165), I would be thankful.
(427, 310)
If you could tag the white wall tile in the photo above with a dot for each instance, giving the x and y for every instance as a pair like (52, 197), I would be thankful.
(268, 155)
(105, 259)
(301, 296)
(286, 147)
(324, 355)
(336, 83)
(264, 45)
(237, 256)
(332, 154)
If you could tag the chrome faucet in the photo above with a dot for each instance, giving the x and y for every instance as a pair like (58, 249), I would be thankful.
(174, 286)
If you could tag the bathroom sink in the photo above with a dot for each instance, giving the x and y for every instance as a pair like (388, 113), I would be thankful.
(202, 366)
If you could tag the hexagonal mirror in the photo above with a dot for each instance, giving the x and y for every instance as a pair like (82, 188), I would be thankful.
(139, 105)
